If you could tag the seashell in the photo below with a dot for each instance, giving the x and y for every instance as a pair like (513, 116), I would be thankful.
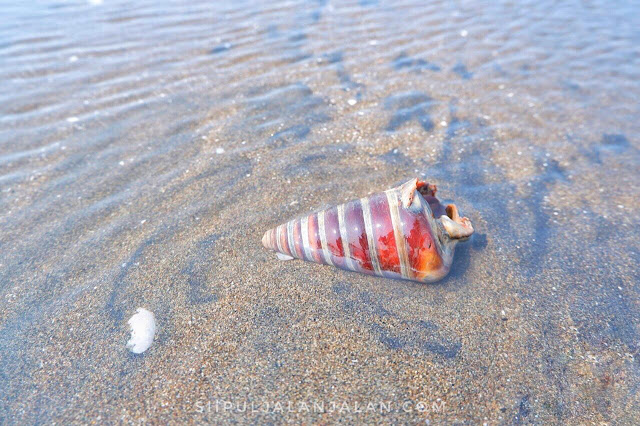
(402, 233)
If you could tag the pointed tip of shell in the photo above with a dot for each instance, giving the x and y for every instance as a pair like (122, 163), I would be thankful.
(265, 240)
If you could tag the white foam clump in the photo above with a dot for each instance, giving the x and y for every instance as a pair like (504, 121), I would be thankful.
(143, 327)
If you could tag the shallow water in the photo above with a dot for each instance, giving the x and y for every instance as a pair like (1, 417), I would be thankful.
(145, 148)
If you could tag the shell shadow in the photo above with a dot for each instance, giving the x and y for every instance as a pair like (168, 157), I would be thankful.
(462, 257)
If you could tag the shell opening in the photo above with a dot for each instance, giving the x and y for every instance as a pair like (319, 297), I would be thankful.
(457, 227)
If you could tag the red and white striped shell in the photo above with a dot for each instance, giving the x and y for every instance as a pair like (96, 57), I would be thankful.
(403, 232)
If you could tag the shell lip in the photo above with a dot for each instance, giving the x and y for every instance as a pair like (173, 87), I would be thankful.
(458, 228)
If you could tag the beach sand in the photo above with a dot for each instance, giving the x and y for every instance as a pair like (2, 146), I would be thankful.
(146, 149)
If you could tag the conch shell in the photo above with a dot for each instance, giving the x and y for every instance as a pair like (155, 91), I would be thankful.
(403, 233)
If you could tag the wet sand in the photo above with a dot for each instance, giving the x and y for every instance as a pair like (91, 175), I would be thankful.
(145, 149)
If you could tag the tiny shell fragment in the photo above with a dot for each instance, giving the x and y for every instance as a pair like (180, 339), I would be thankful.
(143, 327)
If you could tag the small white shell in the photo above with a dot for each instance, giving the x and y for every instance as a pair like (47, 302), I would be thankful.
(143, 327)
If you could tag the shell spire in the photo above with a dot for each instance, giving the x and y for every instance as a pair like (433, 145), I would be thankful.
(403, 233)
